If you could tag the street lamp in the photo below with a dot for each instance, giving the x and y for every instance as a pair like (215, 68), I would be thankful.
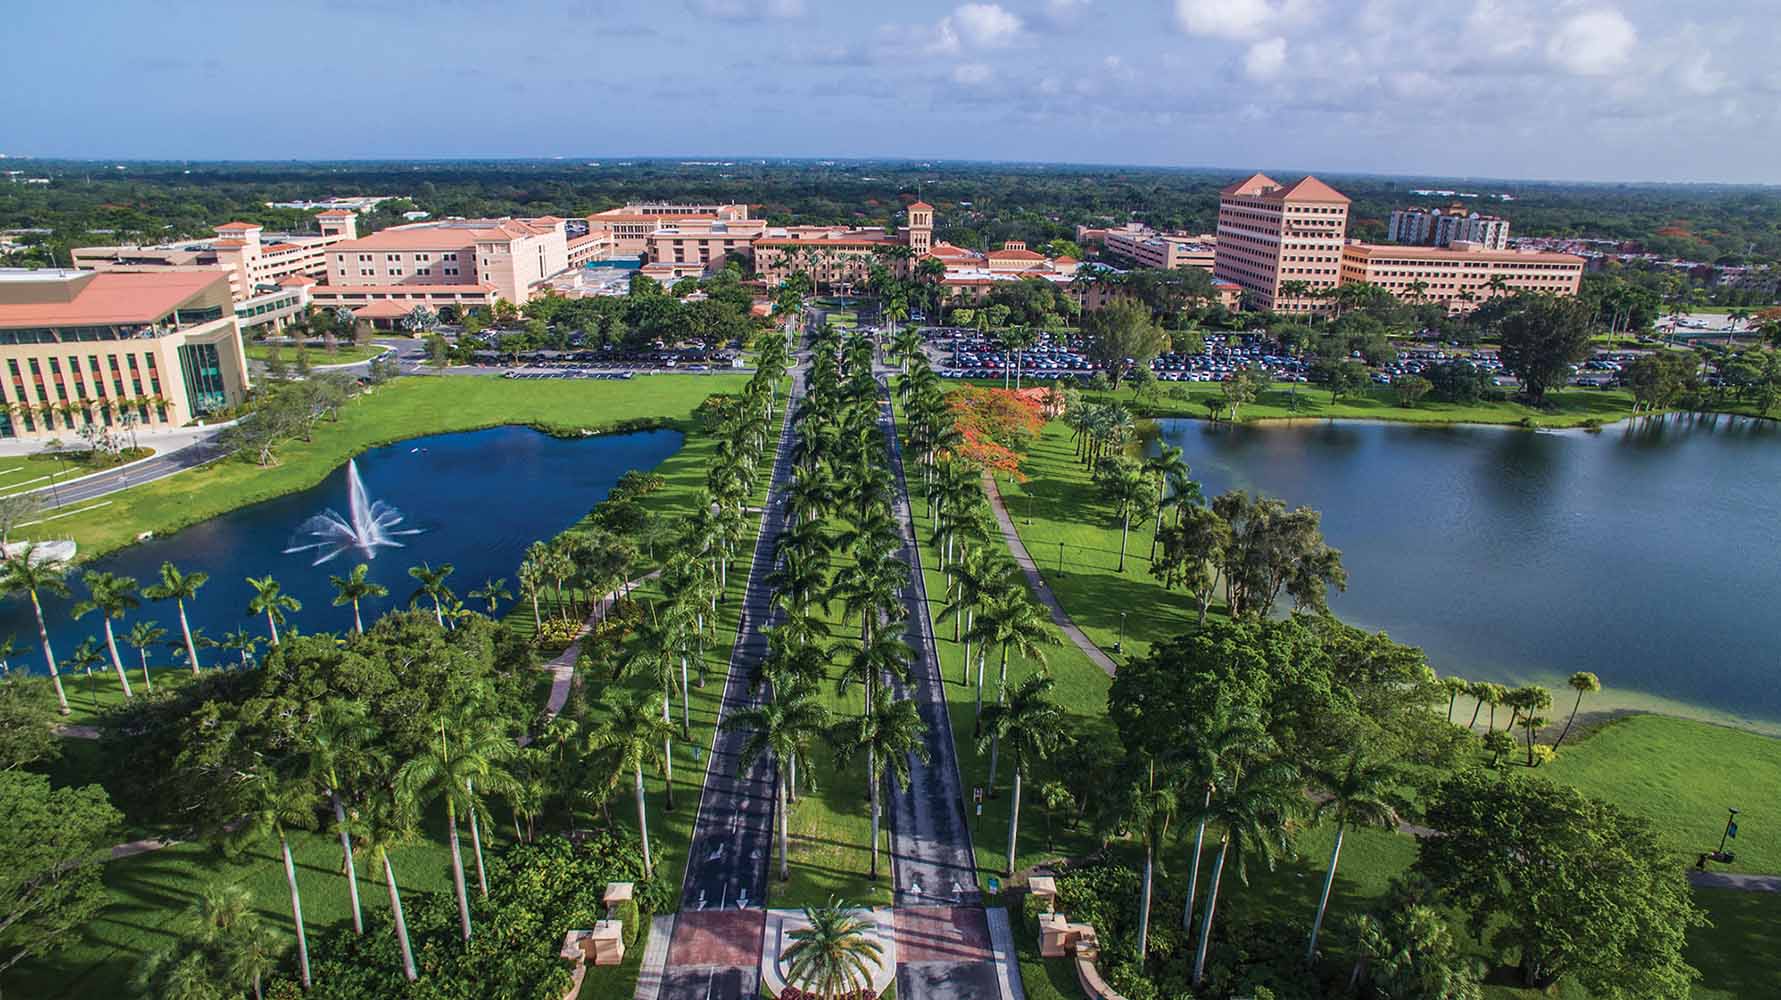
(1060, 558)
(1119, 647)
(1731, 828)
(1029, 517)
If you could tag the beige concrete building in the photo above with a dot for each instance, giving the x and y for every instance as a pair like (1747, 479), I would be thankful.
(451, 264)
(1462, 276)
(1141, 247)
(704, 243)
(629, 228)
(1270, 234)
(156, 349)
(254, 261)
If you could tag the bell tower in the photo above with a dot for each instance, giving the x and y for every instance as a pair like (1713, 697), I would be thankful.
(920, 231)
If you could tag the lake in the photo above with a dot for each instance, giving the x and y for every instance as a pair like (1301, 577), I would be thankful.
(476, 499)
(1649, 553)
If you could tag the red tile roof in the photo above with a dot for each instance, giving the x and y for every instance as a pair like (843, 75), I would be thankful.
(238, 226)
(334, 213)
(921, 204)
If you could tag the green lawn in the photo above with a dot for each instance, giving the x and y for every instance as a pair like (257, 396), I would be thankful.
(405, 408)
(29, 472)
(1567, 407)
(343, 354)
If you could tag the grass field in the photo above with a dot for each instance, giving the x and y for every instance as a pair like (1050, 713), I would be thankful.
(405, 408)
(343, 354)
(1567, 407)
(31, 472)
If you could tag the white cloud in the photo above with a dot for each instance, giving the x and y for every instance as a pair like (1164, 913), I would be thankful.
(1236, 19)
(971, 74)
(987, 24)
(1501, 29)
(748, 10)
(1265, 59)
(1592, 43)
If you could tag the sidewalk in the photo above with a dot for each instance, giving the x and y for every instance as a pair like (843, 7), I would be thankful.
(562, 666)
(1059, 617)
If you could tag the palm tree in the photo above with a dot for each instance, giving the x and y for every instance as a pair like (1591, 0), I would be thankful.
(781, 730)
(633, 735)
(1361, 792)
(113, 597)
(254, 953)
(382, 829)
(494, 592)
(1166, 465)
(1032, 726)
(531, 580)
(1013, 621)
(888, 732)
(333, 746)
(835, 955)
(1454, 686)
(446, 772)
(1252, 812)
(1583, 682)
(1149, 807)
(270, 600)
(274, 805)
(432, 586)
(179, 588)
(243, 642)
(354, 587)
(1123, 484)
(1532, 724)
(142, 635)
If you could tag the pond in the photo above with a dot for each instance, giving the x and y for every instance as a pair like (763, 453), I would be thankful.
(1649, 553)
(474, 499)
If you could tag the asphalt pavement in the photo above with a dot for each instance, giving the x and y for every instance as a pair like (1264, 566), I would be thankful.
(97, 485)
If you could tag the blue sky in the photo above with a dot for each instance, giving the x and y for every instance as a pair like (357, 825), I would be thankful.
(1672, 90)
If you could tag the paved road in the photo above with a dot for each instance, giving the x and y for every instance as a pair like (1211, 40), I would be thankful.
(92, 487)
(733, 840)
(931, 855)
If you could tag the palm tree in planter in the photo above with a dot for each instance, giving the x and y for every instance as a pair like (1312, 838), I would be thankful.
(1583, 682)
(141, 636)
(381, 828)
(179, 588)
(332, 748)
(888, 732)
(633, 735)
(447, 772)
(1252, 811)
(113, 597)
(835, 955)
(273, 805)
(781, 730)
(270, 600)
(1362, 792)
(432, 586)
(1032, 726)
(353, 588)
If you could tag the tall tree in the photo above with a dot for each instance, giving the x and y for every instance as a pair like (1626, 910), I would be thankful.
(1031, 726)
(355, 587)
(1583, 682)
(272, 805)
(270, 600)
(432, 586)
(1542, 336)
(888, 732)
(781, 730)
(447, 770)
(179, 588)
(1252, 812)
(1362, 792)
(54, 843)
(632, 735)
(113, 597)
(334, 746)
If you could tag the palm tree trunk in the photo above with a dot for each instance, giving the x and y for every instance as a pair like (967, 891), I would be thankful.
(1477, 706)
(667, 762)
(1323, 902)
(979, 717)
(272, 626)
(116, 664)
(457, 871)
(970, 616)
(186, 630)
(389, 879)
(1193, 874)
(1014, 819)
(1002, 681)
(686, 710)
(995, 746)
(1144, 903)
(482, 879)
(874, 778)
(1157, 531)
(537, 620)
(1573, 718)
(1211, 908)
(146, 682)
(358, 623)
(290, 877)
(785, 871)
(792, 766)
(352, 877)
(1125, 528)
(643, 826)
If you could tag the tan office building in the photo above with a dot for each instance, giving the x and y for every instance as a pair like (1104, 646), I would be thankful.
(154, 349)
(1270, 234)
(1161, 251)
(1459, 277)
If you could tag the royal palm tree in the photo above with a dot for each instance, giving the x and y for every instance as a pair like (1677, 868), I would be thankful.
(243, 642)
(179, 588)
(333, 747)
(1454, 686)
(834, 955)
(141, 636)
(1122, 484)
(270, 600)
(1031, 725)
(1168, 469)
(1583, 682)
(1361, 792)
(382, 827)
(494, 592)
(531, 578)
(272, 805)
(1150, 807)
(1011, 620)
(432, 586)
(113, 597)
(781, 730)
(633, 735)
(1218, 743)
(888, 732)
(1252, 811)
(353, 588)
(449, 772)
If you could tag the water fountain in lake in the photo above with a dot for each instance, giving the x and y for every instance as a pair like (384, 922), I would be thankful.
(369, 525)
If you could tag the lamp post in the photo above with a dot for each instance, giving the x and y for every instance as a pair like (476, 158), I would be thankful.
(1029, 517)
(1731, 828)
(1060, 558)
(1119, 647)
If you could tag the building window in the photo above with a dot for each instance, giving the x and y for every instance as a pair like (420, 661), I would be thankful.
(201, 369)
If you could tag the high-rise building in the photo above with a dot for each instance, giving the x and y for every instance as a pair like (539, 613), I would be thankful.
(1282, 244)
(1435, 227)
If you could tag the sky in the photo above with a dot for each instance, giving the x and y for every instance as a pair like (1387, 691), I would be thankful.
(1660, 90)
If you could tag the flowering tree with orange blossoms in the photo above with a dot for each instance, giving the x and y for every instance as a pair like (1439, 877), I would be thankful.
(998, 426)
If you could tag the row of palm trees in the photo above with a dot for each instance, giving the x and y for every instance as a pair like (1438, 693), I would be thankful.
(89, 411)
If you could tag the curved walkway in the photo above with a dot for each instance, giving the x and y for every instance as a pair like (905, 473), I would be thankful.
(1059, 616)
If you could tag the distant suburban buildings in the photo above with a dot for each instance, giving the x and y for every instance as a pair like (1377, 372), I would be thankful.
(155, 349)
(356, 203)
(1287, 247)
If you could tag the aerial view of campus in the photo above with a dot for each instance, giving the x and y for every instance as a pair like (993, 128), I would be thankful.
(1018, 500)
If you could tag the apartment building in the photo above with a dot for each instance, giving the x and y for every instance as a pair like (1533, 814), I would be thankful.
(1271, 235)
(1462, 276)
(452, 264)
(154, 349)
(254, 260)
(1438, 227)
